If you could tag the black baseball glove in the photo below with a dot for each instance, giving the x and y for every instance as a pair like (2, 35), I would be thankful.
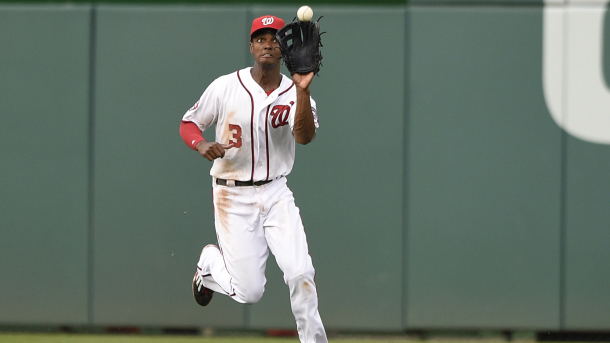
(300, 45)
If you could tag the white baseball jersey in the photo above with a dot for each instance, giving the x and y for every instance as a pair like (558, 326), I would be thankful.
(259, 126)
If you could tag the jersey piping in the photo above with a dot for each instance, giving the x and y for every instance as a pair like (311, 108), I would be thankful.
(252, 126)
(267, 139)
(287, 89)
(251, 123)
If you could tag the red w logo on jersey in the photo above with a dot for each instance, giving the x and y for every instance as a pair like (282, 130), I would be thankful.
(279, 115)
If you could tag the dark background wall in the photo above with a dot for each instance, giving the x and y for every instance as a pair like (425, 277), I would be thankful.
(439, 192)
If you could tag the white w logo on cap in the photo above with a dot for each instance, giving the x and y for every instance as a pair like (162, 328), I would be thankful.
(267, 21)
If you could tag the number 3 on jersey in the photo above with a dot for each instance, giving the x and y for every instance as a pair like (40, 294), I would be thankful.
(236, 137)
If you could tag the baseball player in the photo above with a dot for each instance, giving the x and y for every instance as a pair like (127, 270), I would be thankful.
(258, 114)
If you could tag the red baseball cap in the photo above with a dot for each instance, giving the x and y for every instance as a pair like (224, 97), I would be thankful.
(266, 22)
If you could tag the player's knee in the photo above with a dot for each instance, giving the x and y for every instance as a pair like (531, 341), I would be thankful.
(291, 276)
(252, 295)
(302, 287)
(300, 280)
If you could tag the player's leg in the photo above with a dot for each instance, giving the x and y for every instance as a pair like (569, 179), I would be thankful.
(211, 258)
(287, 241)
(237, 267)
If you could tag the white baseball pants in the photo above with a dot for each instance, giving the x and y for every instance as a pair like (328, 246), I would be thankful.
(250, 221)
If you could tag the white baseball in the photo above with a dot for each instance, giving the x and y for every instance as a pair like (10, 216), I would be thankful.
(305, 13)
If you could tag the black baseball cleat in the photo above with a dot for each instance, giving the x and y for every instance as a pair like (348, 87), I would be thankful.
(203, 295)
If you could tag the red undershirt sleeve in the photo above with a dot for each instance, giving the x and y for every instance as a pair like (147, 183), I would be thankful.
(191, 134)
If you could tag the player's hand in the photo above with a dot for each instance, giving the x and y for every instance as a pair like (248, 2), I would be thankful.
(302, 80)
(212, 150)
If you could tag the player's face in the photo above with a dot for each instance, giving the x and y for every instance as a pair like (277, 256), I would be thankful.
(265, 48)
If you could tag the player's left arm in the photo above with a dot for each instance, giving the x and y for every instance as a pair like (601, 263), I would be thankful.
(304, 128)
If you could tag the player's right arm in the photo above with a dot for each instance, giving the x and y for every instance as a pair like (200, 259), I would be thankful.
(192, 136)
(200, 117)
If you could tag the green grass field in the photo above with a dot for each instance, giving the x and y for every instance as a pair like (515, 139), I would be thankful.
(117, 338)
(111, 338)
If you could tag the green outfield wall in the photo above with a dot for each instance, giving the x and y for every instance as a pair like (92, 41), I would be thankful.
(459, 178)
